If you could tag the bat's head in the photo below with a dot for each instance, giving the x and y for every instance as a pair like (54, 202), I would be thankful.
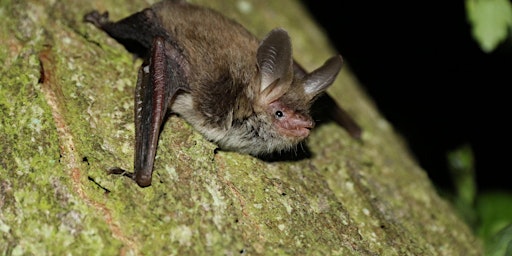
(282, 100)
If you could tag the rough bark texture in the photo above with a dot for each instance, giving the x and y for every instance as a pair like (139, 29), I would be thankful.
(66, 116)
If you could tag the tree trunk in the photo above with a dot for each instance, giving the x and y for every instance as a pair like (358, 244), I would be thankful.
(66, 116)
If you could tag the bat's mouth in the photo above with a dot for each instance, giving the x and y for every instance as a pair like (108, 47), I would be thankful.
(299, 129)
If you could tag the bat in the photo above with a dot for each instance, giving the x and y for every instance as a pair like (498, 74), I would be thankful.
(242, 93)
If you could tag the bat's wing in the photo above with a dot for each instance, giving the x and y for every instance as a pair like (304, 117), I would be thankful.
(332, 111)
(161, 77)
(135, 32)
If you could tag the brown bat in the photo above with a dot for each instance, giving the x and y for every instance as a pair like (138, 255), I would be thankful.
(241, 93)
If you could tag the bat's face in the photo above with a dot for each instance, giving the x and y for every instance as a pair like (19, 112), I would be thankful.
(288, 122)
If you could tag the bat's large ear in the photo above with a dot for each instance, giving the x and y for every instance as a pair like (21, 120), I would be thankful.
(319, 80)
(275, 64)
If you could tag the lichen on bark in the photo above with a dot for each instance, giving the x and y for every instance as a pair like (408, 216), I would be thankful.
(66, 116)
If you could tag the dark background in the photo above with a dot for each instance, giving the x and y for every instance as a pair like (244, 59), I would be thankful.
(430, 79)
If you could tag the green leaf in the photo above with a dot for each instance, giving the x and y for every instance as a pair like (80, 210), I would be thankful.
(494, 210)
(490, 21)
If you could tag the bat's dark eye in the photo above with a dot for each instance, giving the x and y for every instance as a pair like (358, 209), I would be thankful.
(279, 114)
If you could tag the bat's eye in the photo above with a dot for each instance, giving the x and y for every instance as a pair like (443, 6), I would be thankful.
(279, 114)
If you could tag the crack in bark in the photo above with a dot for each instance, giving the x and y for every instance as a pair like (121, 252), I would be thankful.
(54, 97)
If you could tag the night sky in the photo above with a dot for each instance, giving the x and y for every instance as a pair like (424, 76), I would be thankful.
(430, 79)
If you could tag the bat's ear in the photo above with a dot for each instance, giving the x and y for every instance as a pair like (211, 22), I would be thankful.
(275, 65)
(317, 81)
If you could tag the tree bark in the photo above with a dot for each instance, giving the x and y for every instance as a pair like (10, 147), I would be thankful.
(66, 116)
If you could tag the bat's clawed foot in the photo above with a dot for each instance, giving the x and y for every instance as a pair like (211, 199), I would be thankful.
(96, 18)
(123, 172)
(142, 180)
